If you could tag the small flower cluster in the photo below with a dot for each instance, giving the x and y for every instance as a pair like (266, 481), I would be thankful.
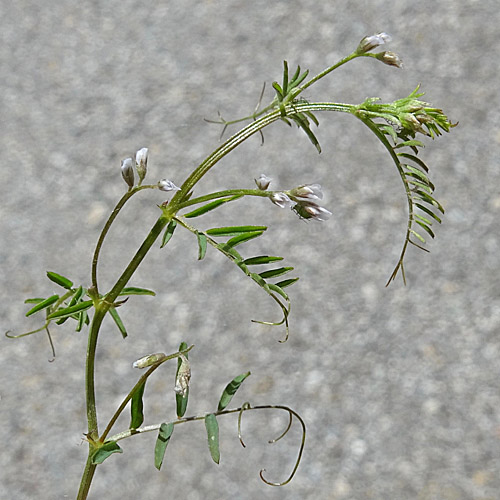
(409, 115)
(141, 167)
(372, 42)
(303, 200)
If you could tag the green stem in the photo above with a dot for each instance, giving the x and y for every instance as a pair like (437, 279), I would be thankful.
(101, 309)
(323, 74)
(243, 135)
(223, 194)
(87, 476)
(136, 387)
(107, 226)
(373, 127)
(156, 230)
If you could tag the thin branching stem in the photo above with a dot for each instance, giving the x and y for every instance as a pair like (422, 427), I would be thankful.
(107, 226)
(374, 128)
(136, 387)
(243, 135)
(245, 407)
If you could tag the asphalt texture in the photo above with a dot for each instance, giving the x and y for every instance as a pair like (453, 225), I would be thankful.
(399, 387)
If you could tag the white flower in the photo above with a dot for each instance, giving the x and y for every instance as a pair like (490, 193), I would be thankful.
(141, 163)
(281, 200)
(128, 171)
(306, 192)
(166, 185)
(371, 42)
(263, 182)
(311, 210)
(316, 212)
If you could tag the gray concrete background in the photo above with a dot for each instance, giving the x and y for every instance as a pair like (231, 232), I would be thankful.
(399, 386)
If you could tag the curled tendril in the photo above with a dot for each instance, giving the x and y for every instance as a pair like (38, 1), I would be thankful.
(283, 434)
(291, 413)
(44, 327)
(8, 335)
(286, 312)
(245, 406)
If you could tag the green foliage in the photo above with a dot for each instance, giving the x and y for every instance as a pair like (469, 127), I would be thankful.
(242, 234)
(211, 206)
(287, 94)
(403, 119)
(169, 232)
(42, 304)
(230, 390)
(212, 427)
(137, 407)
(107, 449)
(164, 435)
(60, 280)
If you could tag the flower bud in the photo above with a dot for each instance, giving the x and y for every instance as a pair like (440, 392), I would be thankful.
(166, 185)
(390, 58)
(149, 360)
(306, 192)
(263, 182)
(141, 163)
(128, 171)
(312, 211)
(281, 200)
(371, 42)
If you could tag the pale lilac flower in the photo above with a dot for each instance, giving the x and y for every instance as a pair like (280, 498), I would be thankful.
(128, 171)
(281, 200)
(166, 185)
(307, 192)
(141, 163)
(371, 42)
(312, 210)
(263, 182)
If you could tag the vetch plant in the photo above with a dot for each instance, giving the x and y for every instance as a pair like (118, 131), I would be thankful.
(397, 125)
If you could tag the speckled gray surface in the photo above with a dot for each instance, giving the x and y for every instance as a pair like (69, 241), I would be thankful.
(399, 386)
